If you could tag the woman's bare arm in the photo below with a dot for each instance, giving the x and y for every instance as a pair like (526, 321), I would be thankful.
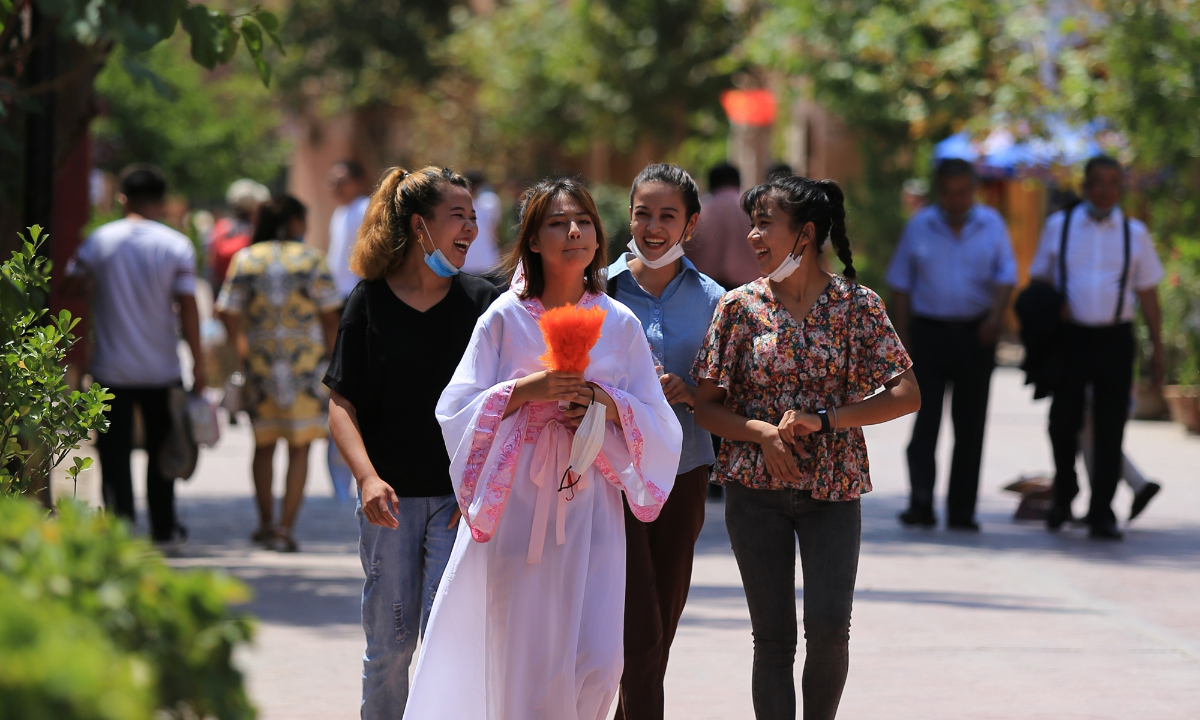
(713, 416)
(900, 396)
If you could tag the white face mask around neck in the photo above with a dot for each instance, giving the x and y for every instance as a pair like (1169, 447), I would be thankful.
(671, 255)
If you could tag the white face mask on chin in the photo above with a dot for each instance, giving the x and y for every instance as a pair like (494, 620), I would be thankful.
(790, 264)
(674, 253)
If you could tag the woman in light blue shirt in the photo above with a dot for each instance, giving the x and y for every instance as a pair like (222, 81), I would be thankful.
(675, 304)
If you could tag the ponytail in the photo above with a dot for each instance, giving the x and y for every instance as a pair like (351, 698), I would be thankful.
(821, 203)
(385, 234)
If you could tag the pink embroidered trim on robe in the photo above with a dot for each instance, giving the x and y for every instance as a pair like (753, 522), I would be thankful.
(633, 440)
(499, 483)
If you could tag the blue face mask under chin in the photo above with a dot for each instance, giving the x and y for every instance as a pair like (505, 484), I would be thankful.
(437, 261)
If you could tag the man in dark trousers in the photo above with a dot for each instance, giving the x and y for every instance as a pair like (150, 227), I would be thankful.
(1108, 267)
(951, 278)
(142, 279)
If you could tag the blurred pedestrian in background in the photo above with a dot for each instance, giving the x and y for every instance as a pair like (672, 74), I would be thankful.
(404, 330)
(280, 305)
(484, 256)
(348, 181)
(142, 278)
(675, 304)
(779, 170)
(719, 249)
(234, 232)
(793, 366)
(951, 277)
(1143, 490)
(1104, 263)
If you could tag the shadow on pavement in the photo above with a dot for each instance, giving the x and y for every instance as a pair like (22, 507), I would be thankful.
(319, 586)
(1178, 545)
(977, 601)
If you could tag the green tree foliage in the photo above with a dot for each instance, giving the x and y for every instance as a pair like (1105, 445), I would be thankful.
(111, 631)
(904, 74)
(1138, 66)
(94, 29)
(202, 129)
(356, 54)
(914, 69)
(567, 74)
(41, 418)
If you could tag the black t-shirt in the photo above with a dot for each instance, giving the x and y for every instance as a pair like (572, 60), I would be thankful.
(392, 363)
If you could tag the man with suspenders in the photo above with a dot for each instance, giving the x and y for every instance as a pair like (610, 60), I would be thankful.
(1099, 260)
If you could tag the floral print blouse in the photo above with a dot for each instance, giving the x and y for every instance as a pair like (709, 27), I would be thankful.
(768, 363)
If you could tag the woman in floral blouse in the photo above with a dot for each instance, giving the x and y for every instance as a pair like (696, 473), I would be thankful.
(794, 365)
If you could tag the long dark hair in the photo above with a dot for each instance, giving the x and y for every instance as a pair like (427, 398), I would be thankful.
(819, 202)
(274, 216)
(535, 204)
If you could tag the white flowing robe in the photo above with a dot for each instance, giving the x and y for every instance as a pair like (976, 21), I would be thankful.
(527, 623)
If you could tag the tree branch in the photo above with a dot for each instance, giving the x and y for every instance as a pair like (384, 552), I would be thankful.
(22, 51)
(61, 81)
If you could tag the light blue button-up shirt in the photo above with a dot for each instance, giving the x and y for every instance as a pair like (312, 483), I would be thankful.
(675, 324)
(949, 277)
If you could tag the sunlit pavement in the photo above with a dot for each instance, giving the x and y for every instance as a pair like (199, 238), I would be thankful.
(1010, 623)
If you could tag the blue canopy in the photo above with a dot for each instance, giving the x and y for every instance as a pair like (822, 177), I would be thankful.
(1003, 155)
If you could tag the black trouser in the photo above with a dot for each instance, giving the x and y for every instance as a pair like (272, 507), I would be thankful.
(115, 446)
(1103, 358)
(658, 574)
(949, 353)
(763, 528)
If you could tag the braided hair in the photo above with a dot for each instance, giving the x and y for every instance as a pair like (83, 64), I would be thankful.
(820, 202)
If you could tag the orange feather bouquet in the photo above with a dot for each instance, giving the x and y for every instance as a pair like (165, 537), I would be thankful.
(570, 334)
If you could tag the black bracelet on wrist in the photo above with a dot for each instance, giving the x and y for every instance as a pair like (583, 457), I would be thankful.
(824, 415)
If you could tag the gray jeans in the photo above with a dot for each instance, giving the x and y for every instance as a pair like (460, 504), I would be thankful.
(403, 568)
(764, 526)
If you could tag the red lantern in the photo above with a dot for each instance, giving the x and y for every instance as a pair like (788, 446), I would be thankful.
(749, 107)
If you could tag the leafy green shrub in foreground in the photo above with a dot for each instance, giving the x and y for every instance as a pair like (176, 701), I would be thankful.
(167, 628)
(56, 664)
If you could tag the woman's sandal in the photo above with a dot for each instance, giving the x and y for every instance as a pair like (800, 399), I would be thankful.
(282, 541)
(263, 535)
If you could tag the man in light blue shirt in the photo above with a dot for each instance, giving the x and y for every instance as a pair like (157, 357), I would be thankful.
(951, 278)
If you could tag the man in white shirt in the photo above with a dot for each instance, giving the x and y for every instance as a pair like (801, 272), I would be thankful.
(1109, 266)
(349, 184)
(139, 271)
(483, 257)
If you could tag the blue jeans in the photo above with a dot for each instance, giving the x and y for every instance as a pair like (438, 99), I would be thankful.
(403, 568)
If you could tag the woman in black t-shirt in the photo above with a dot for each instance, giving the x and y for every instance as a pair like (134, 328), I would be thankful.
(403, 331)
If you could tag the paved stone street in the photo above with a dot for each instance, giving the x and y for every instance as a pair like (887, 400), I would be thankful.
(1011, 623)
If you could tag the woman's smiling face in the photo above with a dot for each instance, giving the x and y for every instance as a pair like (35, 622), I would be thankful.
(450, 227)
(658, 219)
(770, 237)
(566, 241)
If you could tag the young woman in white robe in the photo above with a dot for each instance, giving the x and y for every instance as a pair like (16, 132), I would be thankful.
(527, 624)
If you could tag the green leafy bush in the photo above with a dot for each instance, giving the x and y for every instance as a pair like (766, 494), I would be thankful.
(41, 418)
(1181, 312)
(56, 664)
(160, 633)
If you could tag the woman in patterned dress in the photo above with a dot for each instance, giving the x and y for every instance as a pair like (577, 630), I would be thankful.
(794, 365)
(280, 303)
